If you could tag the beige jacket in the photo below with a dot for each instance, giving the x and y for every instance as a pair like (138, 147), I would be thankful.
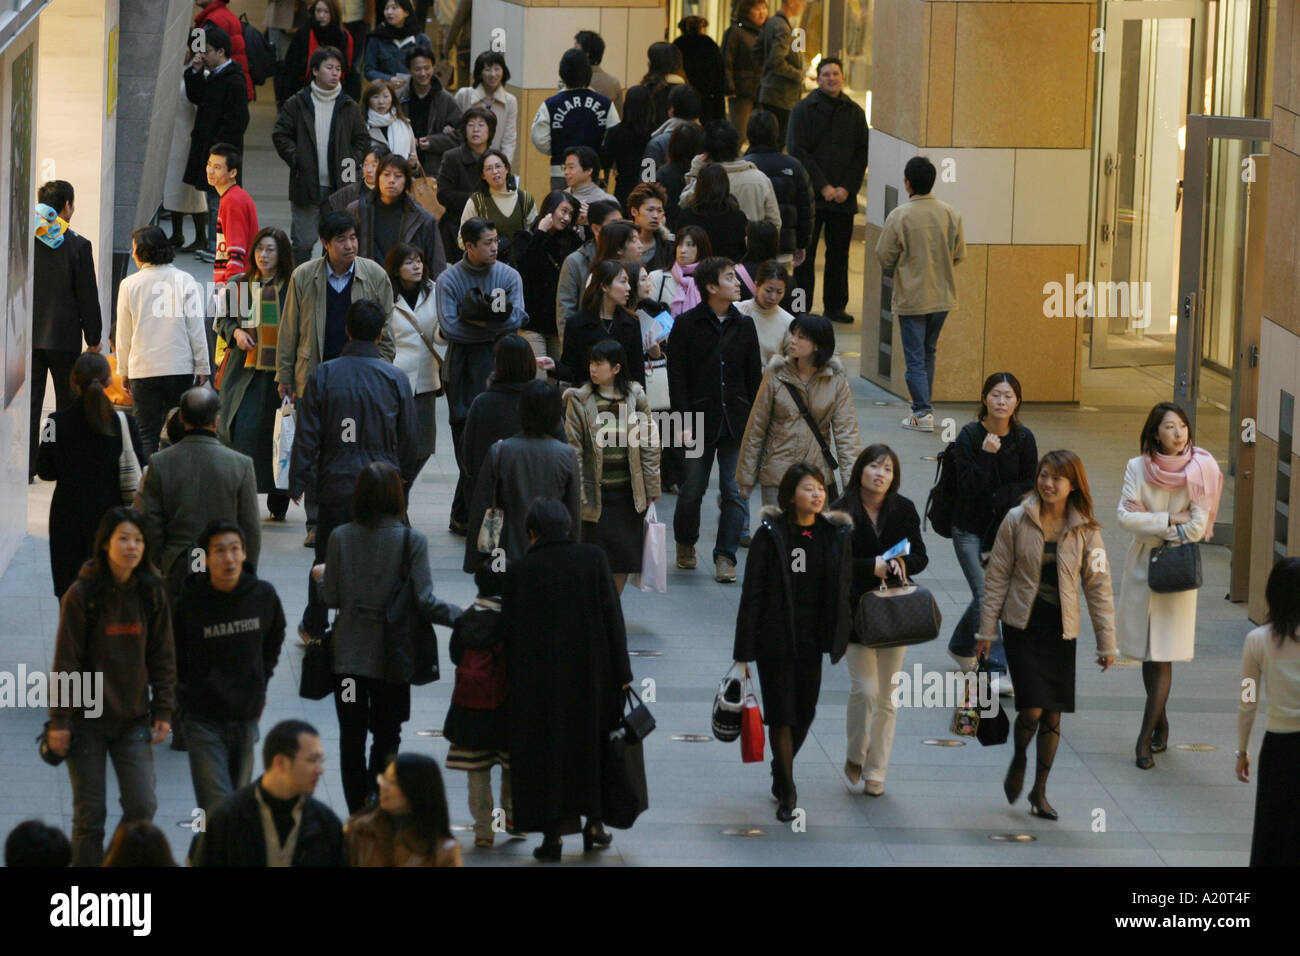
(776, 435)
(1011, 578)
(922, 241)
(586, 434)
(301, 340)
(750, 187)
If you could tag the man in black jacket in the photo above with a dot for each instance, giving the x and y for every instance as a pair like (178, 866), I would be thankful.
(432, 111)
(356, 409)
(229, 627)
(321, 135)
(222, 117)
(275, 821)
(794, 193)
(65, 307)
(828, 134)
(713, 374)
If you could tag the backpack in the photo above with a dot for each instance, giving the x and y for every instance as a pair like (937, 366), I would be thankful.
(480, 679)
(939, 503)
(261, 58)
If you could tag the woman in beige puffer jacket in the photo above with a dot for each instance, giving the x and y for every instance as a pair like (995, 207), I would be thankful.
(777, 436)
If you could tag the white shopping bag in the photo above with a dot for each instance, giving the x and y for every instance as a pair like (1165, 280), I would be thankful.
(654, 555)
(282, 445)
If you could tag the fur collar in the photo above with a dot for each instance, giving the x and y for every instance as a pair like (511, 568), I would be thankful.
(780, 361)
(587, 395)
(838, 518)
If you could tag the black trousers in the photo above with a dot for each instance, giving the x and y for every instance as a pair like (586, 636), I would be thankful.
(330, 514)
(368, 706)
(59, 365)
(839, 233)
(460, 500)
(154, 397)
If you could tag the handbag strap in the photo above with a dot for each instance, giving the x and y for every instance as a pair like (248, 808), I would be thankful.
(817, 432)
(404, 571)
(496, 471)
(418, 331)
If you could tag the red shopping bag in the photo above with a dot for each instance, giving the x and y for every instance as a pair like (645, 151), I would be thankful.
(751, 731)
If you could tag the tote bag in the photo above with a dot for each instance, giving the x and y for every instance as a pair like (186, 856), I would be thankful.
(654, 555)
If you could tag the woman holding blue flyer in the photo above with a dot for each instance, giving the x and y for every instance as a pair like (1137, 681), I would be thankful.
(887, 546)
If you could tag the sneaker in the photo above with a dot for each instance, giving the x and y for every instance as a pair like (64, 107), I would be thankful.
(919, 423)
(874, 788)
(484, 841)
(686, 557)
(724, 570)
(203, 255)
(310, 540)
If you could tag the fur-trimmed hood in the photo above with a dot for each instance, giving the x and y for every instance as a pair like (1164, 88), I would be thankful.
(780, 360)
(838, 518)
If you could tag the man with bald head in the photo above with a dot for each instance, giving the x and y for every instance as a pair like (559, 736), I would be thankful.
(194, 482)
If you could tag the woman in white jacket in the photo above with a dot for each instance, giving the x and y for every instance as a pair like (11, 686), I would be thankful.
(1171, 494)
(415, 327)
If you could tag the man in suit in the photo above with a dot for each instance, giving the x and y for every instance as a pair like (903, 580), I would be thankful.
(65, 307)
(196, 481)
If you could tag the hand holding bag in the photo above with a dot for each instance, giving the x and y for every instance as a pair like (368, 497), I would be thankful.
(128, 465)
(654, 555)
(751, 729)
(893, 617)
(1173, 568)
(282, 433)
(494, 519)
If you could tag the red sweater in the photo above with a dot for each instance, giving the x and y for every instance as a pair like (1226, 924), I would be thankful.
(218, 14)
(236, 227)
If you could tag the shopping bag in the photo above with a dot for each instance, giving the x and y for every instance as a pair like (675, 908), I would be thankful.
(751, 732)
(654, 555)
(317, 679)
(623, 793)
(424, 190)
(282, 444)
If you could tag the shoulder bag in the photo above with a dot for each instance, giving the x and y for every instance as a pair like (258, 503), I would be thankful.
(317, 679)
(437, 359)
(410, 643)
(128, 466)
(893, 617)
(1173, 568)
(494, 518)
(424, 190)
(832, 487)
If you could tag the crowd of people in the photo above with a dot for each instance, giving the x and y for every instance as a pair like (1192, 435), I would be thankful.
(555, 329)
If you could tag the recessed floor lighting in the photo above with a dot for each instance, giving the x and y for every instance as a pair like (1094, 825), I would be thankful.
(692, 738)
(1012, 837)
(1199, 748)
(943, 742)
(645, 653)
(428, 733)
(744, 832)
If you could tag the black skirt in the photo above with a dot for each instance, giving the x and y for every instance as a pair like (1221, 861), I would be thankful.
(790, 688)
(1041, 662)
(1277, 795)
(620, 532)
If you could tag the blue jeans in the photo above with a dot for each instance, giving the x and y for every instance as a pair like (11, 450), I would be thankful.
(93, 741)
(731, 520)
(221, 757)
(967, 547)
(920, 339)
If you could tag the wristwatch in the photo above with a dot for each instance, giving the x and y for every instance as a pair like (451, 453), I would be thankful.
(1240, 754)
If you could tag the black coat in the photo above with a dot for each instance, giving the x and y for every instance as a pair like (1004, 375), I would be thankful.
(794, 194)
(702, 60)
(566, 660)
(828, 134)
(765, 625)
(477, 728)
(458, 176)
(539, 257)
(222, 117)
(714, 367)
(84, 465)
(584, 330)
(234, 836)
(493, 415)
(622, 152)
(673, 179)
(418, 228)
(294, 136)
(725, 228)
(988, 486)
(65, 300)
(898, 520)
(740, 67)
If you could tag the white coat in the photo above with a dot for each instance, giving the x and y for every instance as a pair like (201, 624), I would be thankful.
(414, 357)
(1154, 627)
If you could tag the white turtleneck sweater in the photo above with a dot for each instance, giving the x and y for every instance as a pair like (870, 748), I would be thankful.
(324, 101)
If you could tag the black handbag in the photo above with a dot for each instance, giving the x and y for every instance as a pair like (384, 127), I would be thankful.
(1172, 568)
(894, 617)
(637, 722)
(623, 793)
(317, 680)
(990, 731)
(832, 486)
(410, 644)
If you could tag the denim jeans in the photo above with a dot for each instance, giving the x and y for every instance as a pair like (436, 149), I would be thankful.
(962, 643)
(920, 339)
(221, 757)
(129, 744)
(731, 520)
(154, 397)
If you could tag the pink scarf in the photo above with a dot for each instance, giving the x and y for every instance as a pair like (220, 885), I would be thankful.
(1195, 468)
(688, 296)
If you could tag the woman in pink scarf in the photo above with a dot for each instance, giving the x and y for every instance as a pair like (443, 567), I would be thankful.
(1171, 494)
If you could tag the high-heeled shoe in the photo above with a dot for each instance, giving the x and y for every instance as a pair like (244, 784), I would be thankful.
(1015, 779)
(785, 814)
(1143, 761)
(1039, 807)
(1160, 737)
(593, 834)
(549, 852)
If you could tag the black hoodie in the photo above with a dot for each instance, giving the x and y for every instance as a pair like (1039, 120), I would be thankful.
(226, 646)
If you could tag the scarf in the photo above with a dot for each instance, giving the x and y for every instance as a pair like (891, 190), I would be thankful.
(1197, 470)
(386, 31)
(50, 229)
(266, 313)
(397, 132)
(687, 296)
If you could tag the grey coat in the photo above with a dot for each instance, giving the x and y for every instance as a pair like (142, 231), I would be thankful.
(528, 468)
(191, 483)
(361, 567)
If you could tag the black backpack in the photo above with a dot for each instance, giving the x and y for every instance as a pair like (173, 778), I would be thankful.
(942, 497)
(261, 58)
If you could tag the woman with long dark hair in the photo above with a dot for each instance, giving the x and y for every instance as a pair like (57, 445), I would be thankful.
(390, 127)
(716, 212)
(625, 144)
(540, 251)
(411, 825)
(1171, 495)
(372, 696)
(705, 70)
(794, 607)
(250, 400)
(388, 44)
(1271, 657)
(114, 620)
(79, 451)
(415, 325)
(606, 313)
(1045, 547)
(664, 71)
(675, 286)
(494, 414)
(324, 27)
(685, 143)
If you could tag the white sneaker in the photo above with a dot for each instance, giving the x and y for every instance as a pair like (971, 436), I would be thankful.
(919, 423)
